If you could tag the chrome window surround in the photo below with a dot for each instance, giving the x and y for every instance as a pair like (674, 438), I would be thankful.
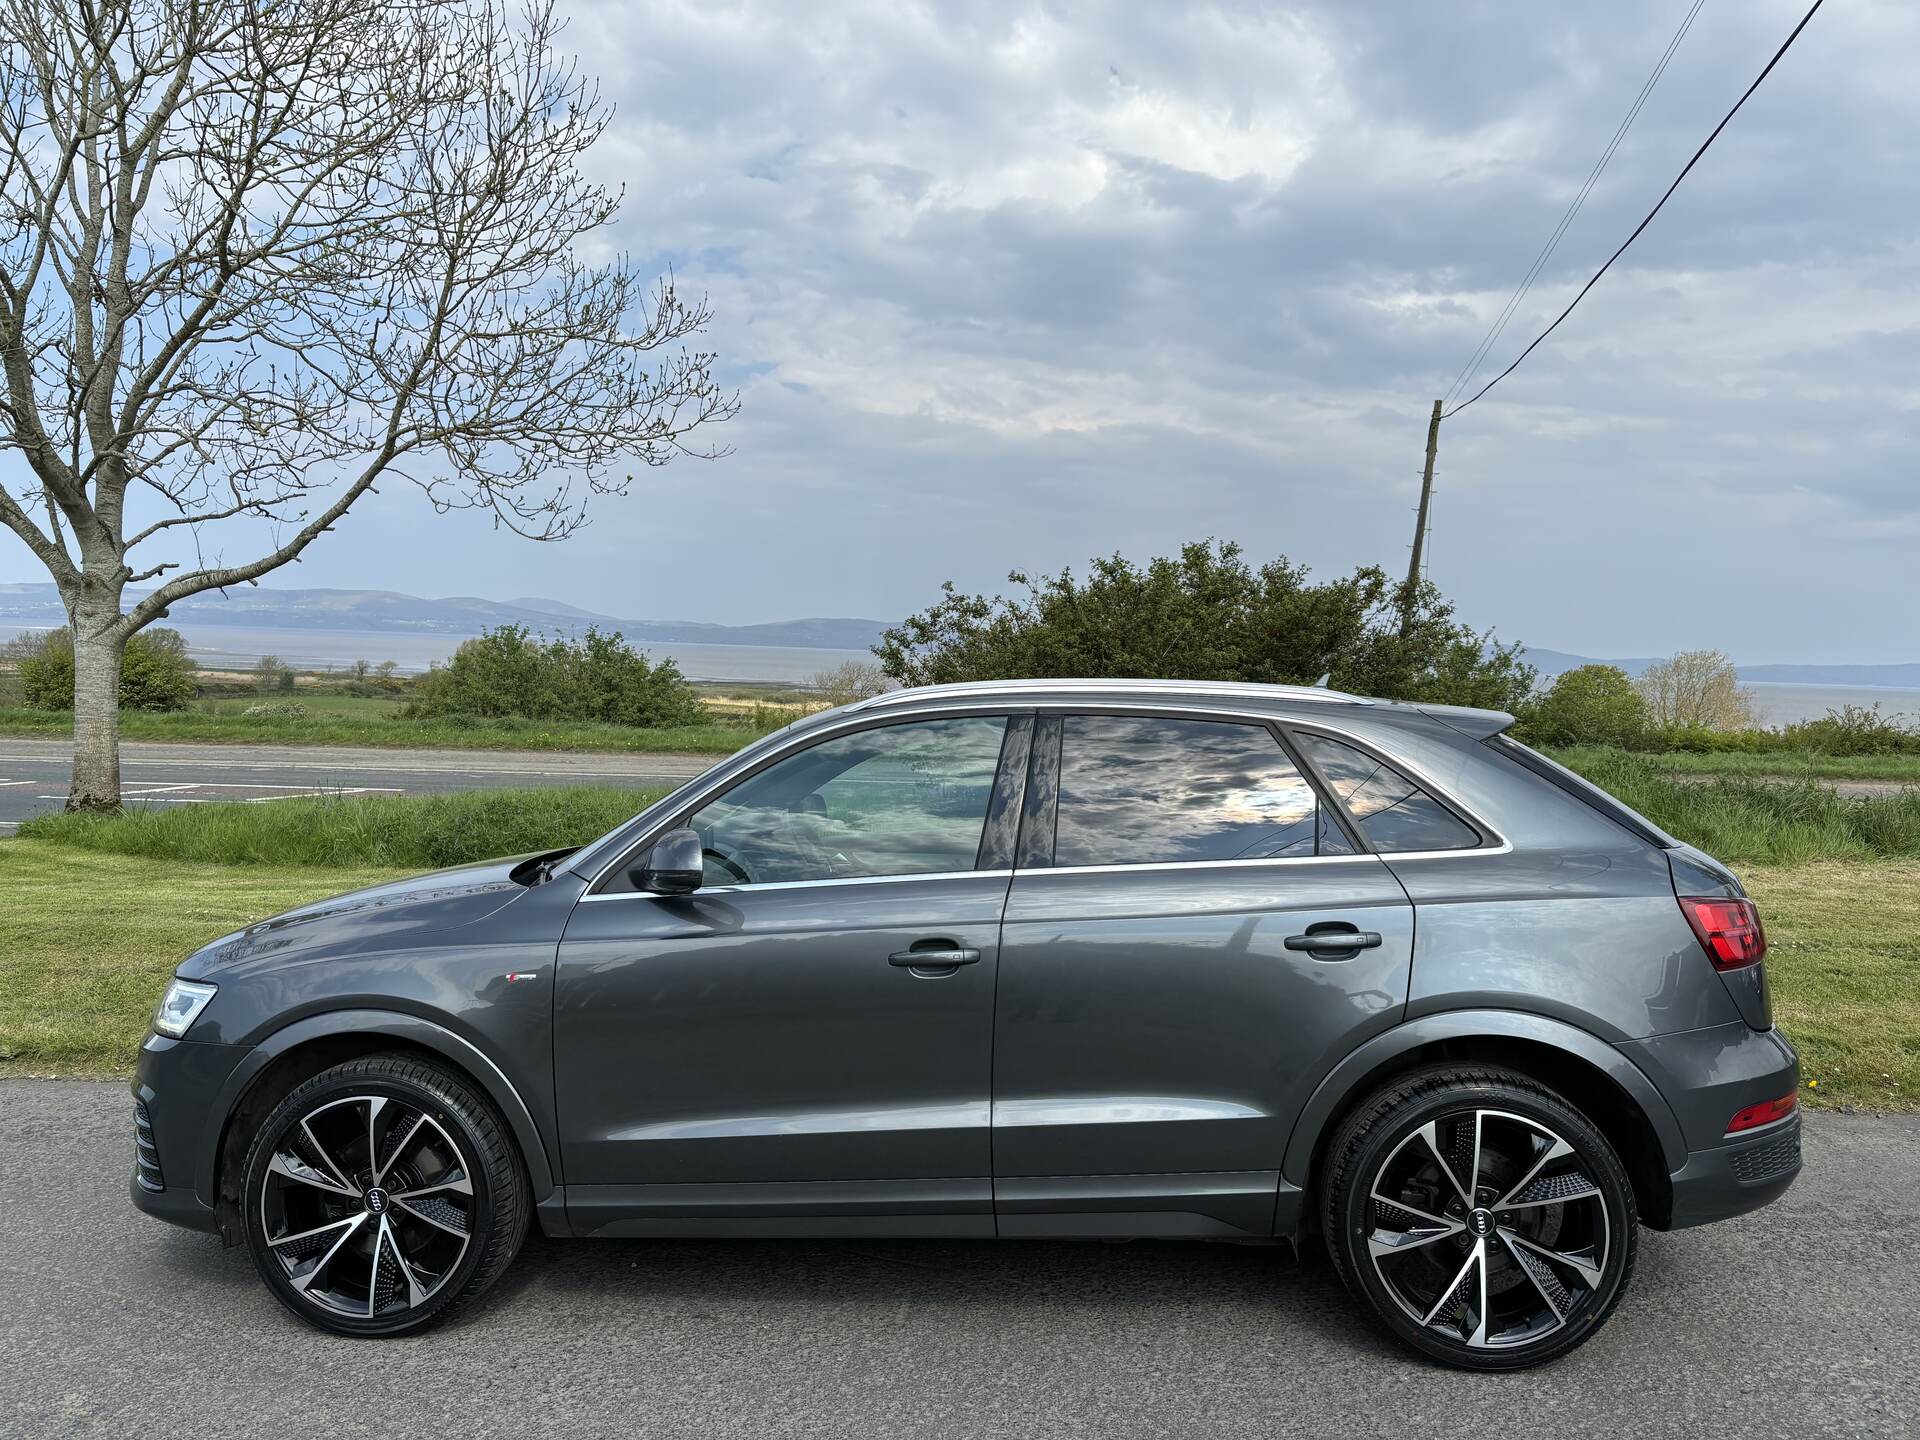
(857, 717)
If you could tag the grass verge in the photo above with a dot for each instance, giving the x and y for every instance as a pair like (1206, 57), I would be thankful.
(340, 725)
(406, 832)
(87, 940)
(1783, 765)
(1775, 822)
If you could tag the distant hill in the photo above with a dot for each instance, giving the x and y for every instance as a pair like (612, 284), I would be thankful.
(391, 612)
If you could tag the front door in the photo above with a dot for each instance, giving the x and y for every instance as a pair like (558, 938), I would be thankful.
(1174, 975)
(809, 1033)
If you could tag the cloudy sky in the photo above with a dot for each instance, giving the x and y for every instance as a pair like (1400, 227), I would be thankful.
(1008, 285)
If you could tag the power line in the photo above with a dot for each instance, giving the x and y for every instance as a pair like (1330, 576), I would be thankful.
(1785, 46)
(1475, 360)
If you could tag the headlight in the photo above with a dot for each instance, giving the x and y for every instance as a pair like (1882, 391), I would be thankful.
(181, 1006)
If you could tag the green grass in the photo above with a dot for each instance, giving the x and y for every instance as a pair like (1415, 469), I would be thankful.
(1796, 765)
(386, 730)
(87, 940)
(1842, 960)
(1783, 823)
(415, 832)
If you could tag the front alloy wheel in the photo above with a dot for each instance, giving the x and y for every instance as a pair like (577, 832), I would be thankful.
(1483, 1219)
(380, 1194)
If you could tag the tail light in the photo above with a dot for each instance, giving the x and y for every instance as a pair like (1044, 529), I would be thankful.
(1729, 930)
(1765, 1113)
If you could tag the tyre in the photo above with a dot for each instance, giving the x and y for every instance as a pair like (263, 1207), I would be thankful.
(381, 1195)
(1481, 1218)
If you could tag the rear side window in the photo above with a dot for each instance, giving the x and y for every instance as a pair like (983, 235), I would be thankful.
(1394, 814)
(1136, 790)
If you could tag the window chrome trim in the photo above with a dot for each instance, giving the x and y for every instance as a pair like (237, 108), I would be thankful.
(760, 885)
(857, 717)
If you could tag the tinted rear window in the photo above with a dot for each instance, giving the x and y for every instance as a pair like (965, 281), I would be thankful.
(1394, 814)
(1141, 791)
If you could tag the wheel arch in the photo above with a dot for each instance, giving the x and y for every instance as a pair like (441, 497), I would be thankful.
(317, 1042)
(1589, 1073)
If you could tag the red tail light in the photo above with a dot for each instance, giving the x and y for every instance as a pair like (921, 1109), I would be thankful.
(1765, 1113)
(1729, 930)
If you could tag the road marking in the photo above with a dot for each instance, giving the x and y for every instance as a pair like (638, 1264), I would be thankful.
(4, 783)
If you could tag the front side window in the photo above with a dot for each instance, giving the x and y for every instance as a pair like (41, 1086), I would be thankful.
(1394, 814)
(1140, 790)
(901, 800)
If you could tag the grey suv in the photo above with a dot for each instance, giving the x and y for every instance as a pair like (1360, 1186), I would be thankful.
(1028, 959)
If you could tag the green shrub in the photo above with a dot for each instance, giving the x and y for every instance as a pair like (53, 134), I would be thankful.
(510, 671)
(1856, 730)
(413, 832)
(155, 671)
(1590, 705)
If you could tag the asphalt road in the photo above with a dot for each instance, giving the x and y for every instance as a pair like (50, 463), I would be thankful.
(1800, 1320)
(34, 773)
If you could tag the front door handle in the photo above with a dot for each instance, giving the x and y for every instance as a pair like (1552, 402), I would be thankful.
(935, 957)
(1334, 941)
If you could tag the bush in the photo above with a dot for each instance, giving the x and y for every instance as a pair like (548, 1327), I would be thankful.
(1206, 614)
(509, 671)
(412, 832)
(1696, 689)
(155, 671)
(845, 683)
(1855, 730)
(1590, 705)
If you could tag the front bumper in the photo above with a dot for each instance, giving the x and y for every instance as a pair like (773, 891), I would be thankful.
(1707, 1076)
(177, 1128)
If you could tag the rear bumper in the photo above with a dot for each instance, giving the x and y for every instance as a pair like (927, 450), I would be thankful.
(1707, 1076)
(1733, 1179)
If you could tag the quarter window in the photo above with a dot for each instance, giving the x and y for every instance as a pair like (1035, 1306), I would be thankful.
(900, 800)
(1141, 791)
(1394, 814)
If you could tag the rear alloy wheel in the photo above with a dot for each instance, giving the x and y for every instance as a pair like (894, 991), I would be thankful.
(1482, 1218)
(380, 1194)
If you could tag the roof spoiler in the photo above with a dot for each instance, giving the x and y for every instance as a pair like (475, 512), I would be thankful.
(1475, 723)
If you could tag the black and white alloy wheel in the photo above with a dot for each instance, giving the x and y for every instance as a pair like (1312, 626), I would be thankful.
(1483, 1219)
(380, 1194)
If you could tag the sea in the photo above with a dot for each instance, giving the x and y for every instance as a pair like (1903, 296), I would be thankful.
(239, 647)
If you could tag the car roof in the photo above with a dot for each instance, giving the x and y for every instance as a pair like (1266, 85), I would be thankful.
(1232, 694)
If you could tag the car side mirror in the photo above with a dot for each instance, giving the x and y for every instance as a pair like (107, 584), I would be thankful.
(674, 866)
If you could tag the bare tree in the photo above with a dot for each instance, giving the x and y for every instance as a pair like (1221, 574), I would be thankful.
(849, 681)
(256, 255)
(1696, 688)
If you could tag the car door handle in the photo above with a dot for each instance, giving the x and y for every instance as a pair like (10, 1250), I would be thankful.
(941, 958)
(1344, 938)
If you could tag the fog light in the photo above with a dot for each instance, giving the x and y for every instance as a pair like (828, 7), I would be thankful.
(1765, 1113)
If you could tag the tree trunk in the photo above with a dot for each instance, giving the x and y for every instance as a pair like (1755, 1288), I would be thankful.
(97, 649)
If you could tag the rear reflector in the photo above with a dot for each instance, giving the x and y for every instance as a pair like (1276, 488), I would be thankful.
(1729, 930)
(1765, 1113)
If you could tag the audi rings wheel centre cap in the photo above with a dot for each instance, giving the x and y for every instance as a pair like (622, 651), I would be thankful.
(377, 1202)
(1480, 1222)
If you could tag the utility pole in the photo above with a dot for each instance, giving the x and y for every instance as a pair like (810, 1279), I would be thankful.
(1420, 524)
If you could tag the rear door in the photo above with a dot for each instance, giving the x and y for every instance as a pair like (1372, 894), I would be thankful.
(1191, 939)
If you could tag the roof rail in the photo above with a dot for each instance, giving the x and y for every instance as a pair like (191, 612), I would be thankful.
(1107, 687)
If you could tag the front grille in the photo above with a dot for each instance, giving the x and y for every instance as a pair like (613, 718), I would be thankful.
(1768, 1161)
(145, 1153)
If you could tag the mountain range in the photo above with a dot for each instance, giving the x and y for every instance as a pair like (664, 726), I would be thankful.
(391, 612)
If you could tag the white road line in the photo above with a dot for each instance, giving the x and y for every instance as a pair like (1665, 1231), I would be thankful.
(5, 783)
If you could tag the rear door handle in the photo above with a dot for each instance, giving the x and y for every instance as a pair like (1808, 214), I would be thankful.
(1332, 938)
(935, 957)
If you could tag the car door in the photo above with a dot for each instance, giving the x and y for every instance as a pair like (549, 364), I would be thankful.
(769, 1044)
(1191, 938)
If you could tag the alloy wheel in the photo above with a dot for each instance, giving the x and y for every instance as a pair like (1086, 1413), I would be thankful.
(1488, 1230)
(367, 1206)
